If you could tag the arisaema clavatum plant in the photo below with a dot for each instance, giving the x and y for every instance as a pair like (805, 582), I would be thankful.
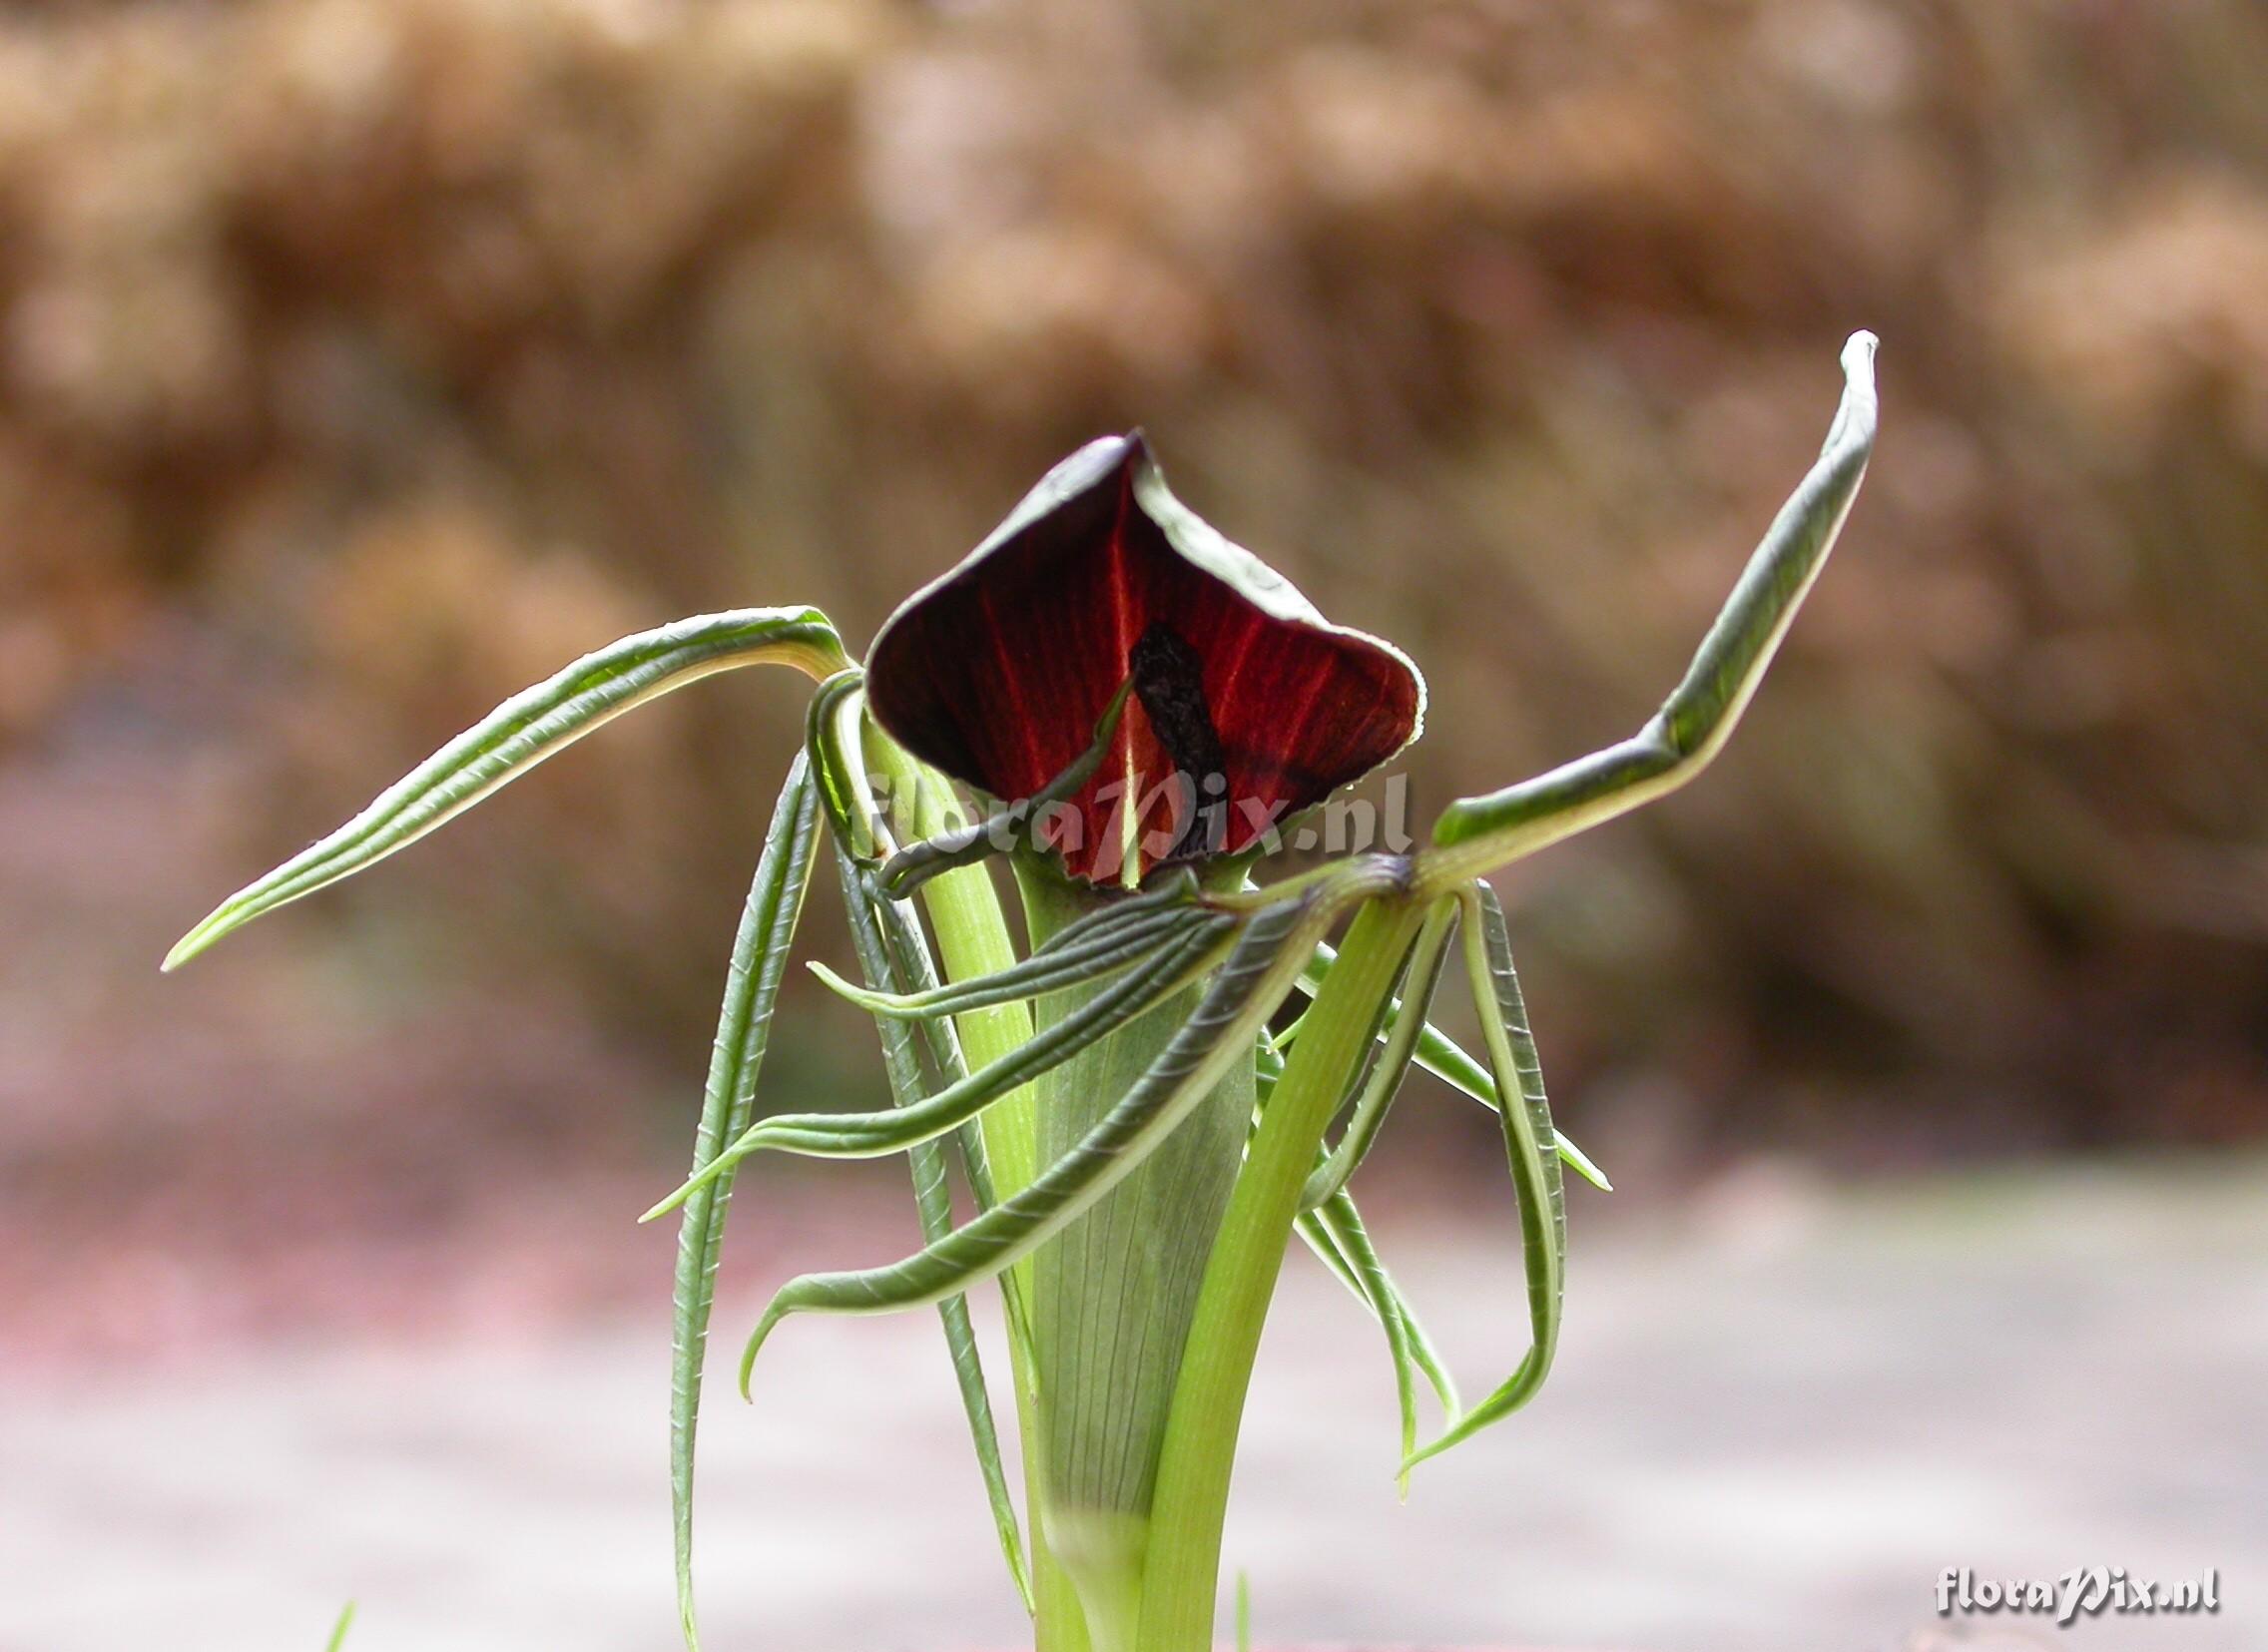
(1124, 708)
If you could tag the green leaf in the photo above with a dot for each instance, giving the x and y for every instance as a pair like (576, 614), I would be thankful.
(1405, 1343)
(835, 739)
(1172, 892)
(1336, 1233)
(933, 1201)
(338, 1629)
(871, 1135)
(1221, 1031)
(912, 965)
(1051, 970)
(1475, 836)
(744, 1025)
(830, 738)
(1447, 1060)
(1352, 1235)
(521, 732)
(1528, 1149)
(1406, 1015)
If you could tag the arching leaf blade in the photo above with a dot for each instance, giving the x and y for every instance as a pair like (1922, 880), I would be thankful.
(830, 738)
(1351, 1234)
(1477, 836)
(1336, 1233)
(1529, 1152)
(1405, 1016)
(1447, 1060)
(744, 1025)
(1221, 1030)
(519, 734)
(934, 1203)
(872, 1135)
(1097, 958)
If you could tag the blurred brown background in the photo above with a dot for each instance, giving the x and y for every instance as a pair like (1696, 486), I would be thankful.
(361, 360)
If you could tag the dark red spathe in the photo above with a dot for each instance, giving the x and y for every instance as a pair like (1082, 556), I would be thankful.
(998, 672)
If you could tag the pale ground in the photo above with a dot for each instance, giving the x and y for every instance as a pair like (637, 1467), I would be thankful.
(1779, 1414)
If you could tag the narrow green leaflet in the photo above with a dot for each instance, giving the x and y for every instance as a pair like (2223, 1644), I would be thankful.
(831, 741)
(1351, 1235)
(1220, 1031)
(871, 1135)
(338, 1629)
(1406, 1016)
(751, 988)
(1101, 955)
(933, 1201)
(1529, 1149)
(1403, 1346)
(836, 741)
(521, 732)
(1477, 836)
(1336, 1233)
(1174, 891)
(914, 966)
(1447, 1060)
(1095, 942)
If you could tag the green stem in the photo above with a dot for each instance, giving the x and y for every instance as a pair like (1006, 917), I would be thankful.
(1182, 1580)
(1112, 1294)
(973, 940)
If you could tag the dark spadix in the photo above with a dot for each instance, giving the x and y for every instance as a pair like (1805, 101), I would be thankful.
(1247, 705)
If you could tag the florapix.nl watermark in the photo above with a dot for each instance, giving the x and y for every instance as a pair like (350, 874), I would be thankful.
(1143, 821)
(2083, 1591)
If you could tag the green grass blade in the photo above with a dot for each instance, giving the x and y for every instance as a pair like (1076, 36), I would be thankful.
(1220, 1031)
(1447, 1060)
(338, 1629)
(934, 1202)
(744, 1025)
(1528, 1149)
(872, 1135)
(522, 732)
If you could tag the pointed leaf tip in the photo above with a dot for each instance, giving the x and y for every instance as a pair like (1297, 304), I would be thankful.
(769, 919)
(865, 997)
(519, 734)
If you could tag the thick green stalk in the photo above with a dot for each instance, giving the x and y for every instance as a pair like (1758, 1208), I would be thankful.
(1182, 1577)
(1112, 1294)
(974, 941)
